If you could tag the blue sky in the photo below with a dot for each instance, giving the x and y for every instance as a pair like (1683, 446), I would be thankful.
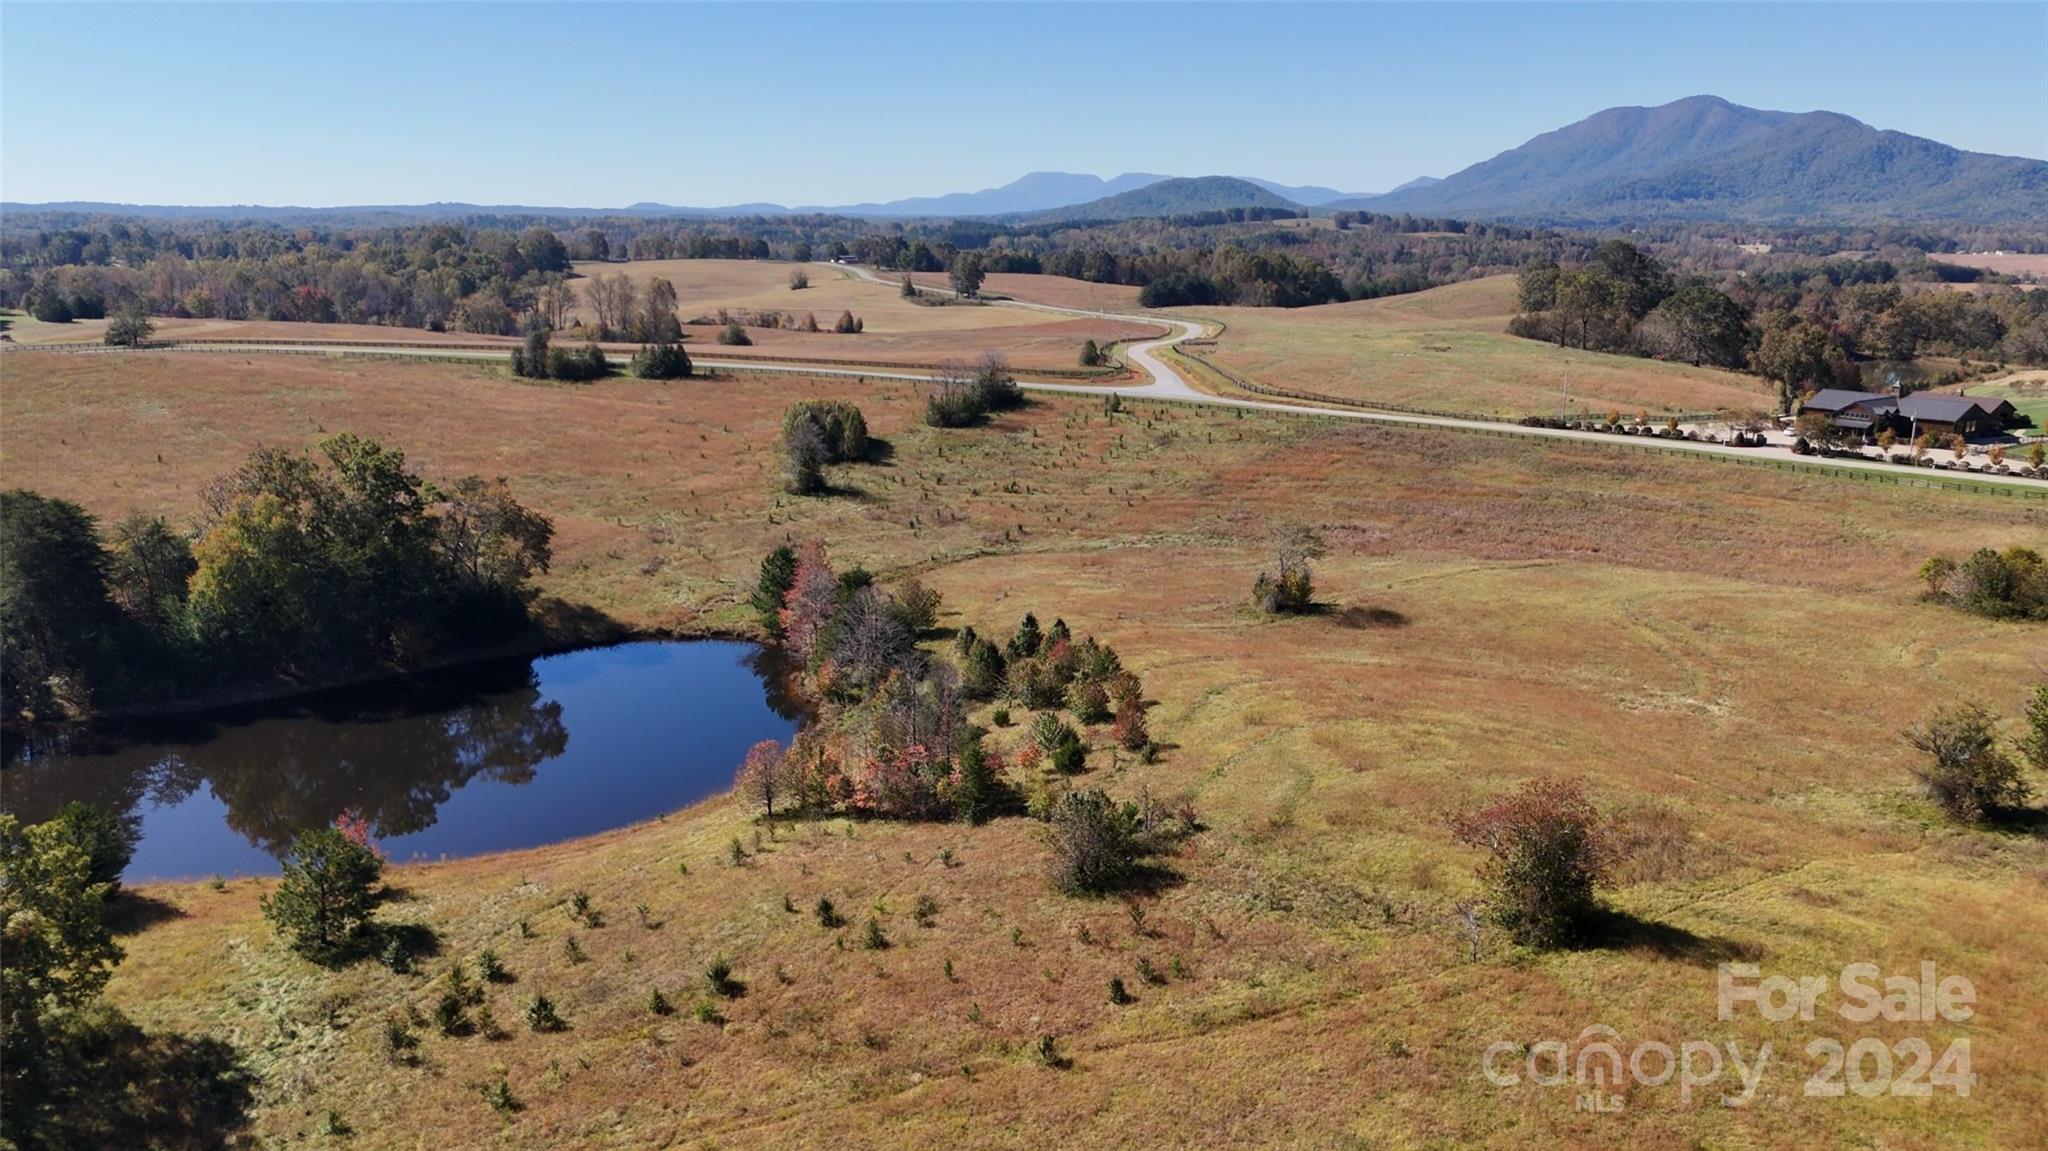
(603, 105)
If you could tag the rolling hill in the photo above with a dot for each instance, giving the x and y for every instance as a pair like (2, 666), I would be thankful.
(1705, 158)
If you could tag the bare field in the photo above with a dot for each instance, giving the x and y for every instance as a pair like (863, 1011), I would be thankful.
(2009, 263)
(1500, 609)
(1448, 349)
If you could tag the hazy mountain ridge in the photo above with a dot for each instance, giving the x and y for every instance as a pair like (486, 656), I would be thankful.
(1705, 158)
(1176, 197)
(1697, 158)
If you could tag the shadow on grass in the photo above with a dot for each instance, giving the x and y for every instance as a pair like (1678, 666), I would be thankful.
(1147, 878)
(1612, 930)
(880, 452)
(415, 940)
(105, 1082)
(1364, 618)
(2027, 821)
(132, 913)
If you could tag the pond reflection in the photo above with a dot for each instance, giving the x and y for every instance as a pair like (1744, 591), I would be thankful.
(488, 758)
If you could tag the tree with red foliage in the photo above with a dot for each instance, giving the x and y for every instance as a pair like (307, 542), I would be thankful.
(1130, 730)
(811, 602)
(356, 830)
(764, 775)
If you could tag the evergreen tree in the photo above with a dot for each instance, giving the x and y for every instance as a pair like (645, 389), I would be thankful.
(328, 891)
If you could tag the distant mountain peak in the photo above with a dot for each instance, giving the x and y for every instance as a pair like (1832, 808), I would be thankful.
(1704, 157)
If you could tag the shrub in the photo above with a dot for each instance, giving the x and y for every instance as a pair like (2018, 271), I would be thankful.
(718, 977)
(1118, 994)
(917, 606)
(1130, 730)
(399, 1040)
(1966, 774)
(1094, 843)
(1069, 756)
(1548, 851)
(658, 1003)
(589, 363)
(953, 409)
(451, 1015)
(995, 388)
(799, 280)
(542, 1017)
(489, 969)
(2008, 584)
(1047, 731)
(926, 912)
(1027, 639)
(1089, 702)
(1091, 355)
(662, 362)
(734, 335)
(978, 794)
(1000, 717)
(1290, 588)
(983, 670)
(329, 888)
(846, 324)
(840, 425)
(871, 937)
(2034, 741)
(499, 1096)
(804, 456)
(828, 915)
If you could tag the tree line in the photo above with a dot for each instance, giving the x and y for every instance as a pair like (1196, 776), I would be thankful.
(1803, 326)
(314, 567)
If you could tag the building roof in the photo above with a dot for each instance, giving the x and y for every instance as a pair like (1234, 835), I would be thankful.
(1994, 404)
(1838, 400)
(1938, 407)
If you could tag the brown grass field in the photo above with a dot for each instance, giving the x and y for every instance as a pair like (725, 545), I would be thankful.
(1059, 291)
(2009, 263)
(1728, 652)
(896, 330)
(1448, 349)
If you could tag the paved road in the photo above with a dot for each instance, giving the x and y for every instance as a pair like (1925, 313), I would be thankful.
(1165, 382)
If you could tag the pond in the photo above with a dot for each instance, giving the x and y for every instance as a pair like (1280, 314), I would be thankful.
(479, 759)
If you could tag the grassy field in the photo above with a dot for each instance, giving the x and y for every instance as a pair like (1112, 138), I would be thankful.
(896, 329)
(1726, 652)
(2028, 392)
(1448, 349)
(2010, 263)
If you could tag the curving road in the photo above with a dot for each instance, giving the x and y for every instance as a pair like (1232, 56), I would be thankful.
(1165, 382)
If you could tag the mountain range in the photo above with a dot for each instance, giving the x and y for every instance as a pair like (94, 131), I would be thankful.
(1705, 158)
(1699, 158)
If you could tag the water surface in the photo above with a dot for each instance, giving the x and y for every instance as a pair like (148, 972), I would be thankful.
(484, 758)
